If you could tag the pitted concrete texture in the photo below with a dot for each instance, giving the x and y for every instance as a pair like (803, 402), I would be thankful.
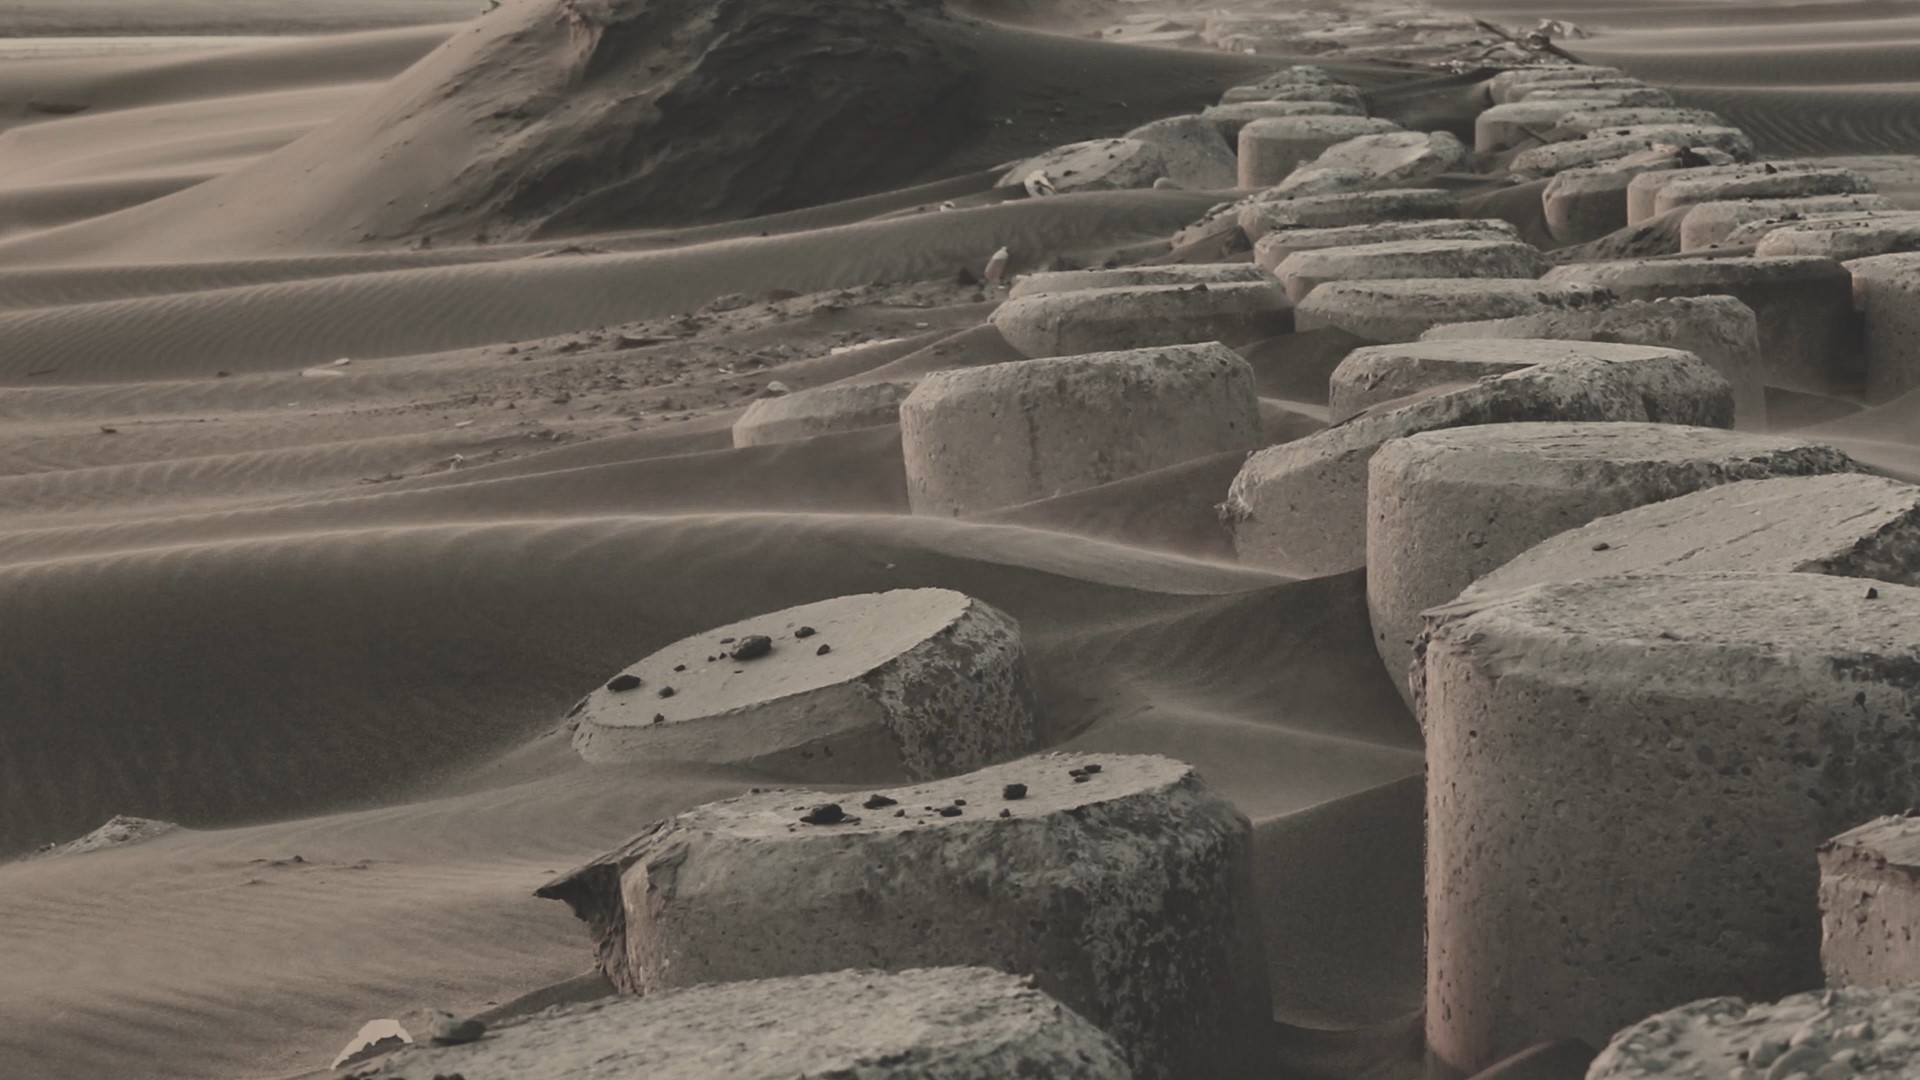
(1709, 224)
(1193, 153)
(1845, 523)
(1526, 123)
(1608, 144)
(1097, 165)
(1303, 271)
(820, 411)
(1626, 778)
(1397, 157)
(1870, 904)
(1120, 884)
(1528, 91)
(1886, 291)
(1142, 316)
(1401, 310)
(1273, 147)
(1821, 1033)
(1718, 329)
(1627, 96)
(1229, 119)
(954, 1023)
(1502, 86)
(1841, 237)
(1338, 93)
(982, 438)
(1678, 189)
(1263, 215)
(1589, 202)
(912, 683)
(1580, 123)
(1301, 506)
(1809, 333)
(1276, 245)
(1374, 375)
(1643, 195)
(1446, 507)
(1210, 274)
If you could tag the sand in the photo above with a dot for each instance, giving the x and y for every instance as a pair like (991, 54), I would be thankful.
(366, 399)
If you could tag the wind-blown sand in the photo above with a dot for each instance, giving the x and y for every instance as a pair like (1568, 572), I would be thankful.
(316, 515)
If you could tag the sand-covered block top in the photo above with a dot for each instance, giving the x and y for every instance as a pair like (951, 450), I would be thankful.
(1079, 321)
(1096, 165)
(1847, 524)
(821, 411)
(1121, 884)
(954, 1023)
(1758, 179)
(1606, 144)
(1501, 86)
(1861, 1032)
(1273, 248)
(1403, 309)
(913, 682)
(1058, 281)
(1229, 117)
(1841, 237)
(1303, 271)
(1358, 208)
(1707, 224)
(1339, 93)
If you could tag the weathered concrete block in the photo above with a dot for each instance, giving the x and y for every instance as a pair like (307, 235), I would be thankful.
(1277, 244)
(820, 411)
(1401, 310)
(1273, 147)
(1446, 507)
(1870, 904)
(1809, 334)
(1886, 292)
(1230, 119)
(1397, 157)
(1526, 123)
(1618, 93)
(1847, 524)
(1193, 153)
(1120, 884)
(1820, 1033)
(1760, 179)
(981, 438)
(1583, 122)
(1718, 329)
(1776, 708)
(1589, 202)
(1097, 165)
(1373, 376)
(1304, 270)
(1608, 144)
(953, 1023)
(1709, 224)
(1840, 237)
(1395, 205)
(1142, 316)
(1125, 277)
(1337, 93)
(1301, 506)
(912, 683)
(1502, 86)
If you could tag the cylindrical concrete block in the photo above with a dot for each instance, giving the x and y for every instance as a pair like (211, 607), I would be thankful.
(1525, 123)
(1142, 316)
(1121, 884)
(1581, 122)
(1126, 277)
(1809, 333)
(1262, 216)
(1824, 1033)
(982, 438)
(1502, 86)
(822, 410)
(1446, 507)
(1709, 224)
(1304, 270)
(1760, 179)
(1301, 506)
(1097, 165)
(1618, 93)
(1841, 237)
(1609, 144)
(911, 683)
(1275, 246)
(1870, 903)
(1589, 202)
(1380, 375)
(1886, 291)
(1625, 780)
(955, 1023)
(1396, 157)
(1272, 148)
(1391, 311)
(1718, 329)
(1231, 117)
(1847, 524)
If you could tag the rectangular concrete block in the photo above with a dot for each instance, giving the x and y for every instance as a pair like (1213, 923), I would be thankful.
(1870, 904)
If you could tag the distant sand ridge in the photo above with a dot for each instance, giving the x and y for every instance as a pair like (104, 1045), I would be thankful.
(997, 538)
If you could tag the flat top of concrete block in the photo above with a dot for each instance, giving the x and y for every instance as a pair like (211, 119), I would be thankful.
(1389, 249)
(1803, 1035)
(962, 1023)
(1290, 127)
(832, 397)
(1894, 841)
(1203, 292)
(1303, 237)
(863, 632)
(1534, 452)
(1785, 524)
(1652, 615)
(1440, 290)
(1279, 109)
(1598, 317)
(1126, 276)
(1862, 222)
(1728, 172)
(1704, 269)
(1047, 784)
(1897, 264)
(1051, 370)
(1636, 116)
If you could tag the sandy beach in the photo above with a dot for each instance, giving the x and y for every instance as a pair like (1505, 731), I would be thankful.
(368, 382)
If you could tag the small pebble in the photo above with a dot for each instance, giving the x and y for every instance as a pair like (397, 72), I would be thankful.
(1013, 791)
(753, 648)
(622, 683)
(666, 691)
(825, 814)
(959, 802)
(659, 718)
(875, 802)
(1873, 594)
(1006, 813)
(1080, 778)
(1602, 546)
(950, 811)
(1090, 769)
(679, 667)
(449, 1030)
(899, 813)
(726, 641)
(823, 650)
(805, 632)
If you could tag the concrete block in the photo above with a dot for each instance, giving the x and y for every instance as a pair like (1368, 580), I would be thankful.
(822, 410)
(1399, 157)
(1124, 277)
(1097, 165)
(1401, 310)
(1870, 904)
(1820, 1033)
(1302, 271)
(1760, 179)
(1273, 147)
(1193, 153)
(1142, 316)
(1886, 292)
(1840, 237)
(1609, 144)
(1709, 224)
(1230, 119)
(1526, 123)
(1392, 206)
(1274, 247)
(1582, 122)
(1502, 86)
